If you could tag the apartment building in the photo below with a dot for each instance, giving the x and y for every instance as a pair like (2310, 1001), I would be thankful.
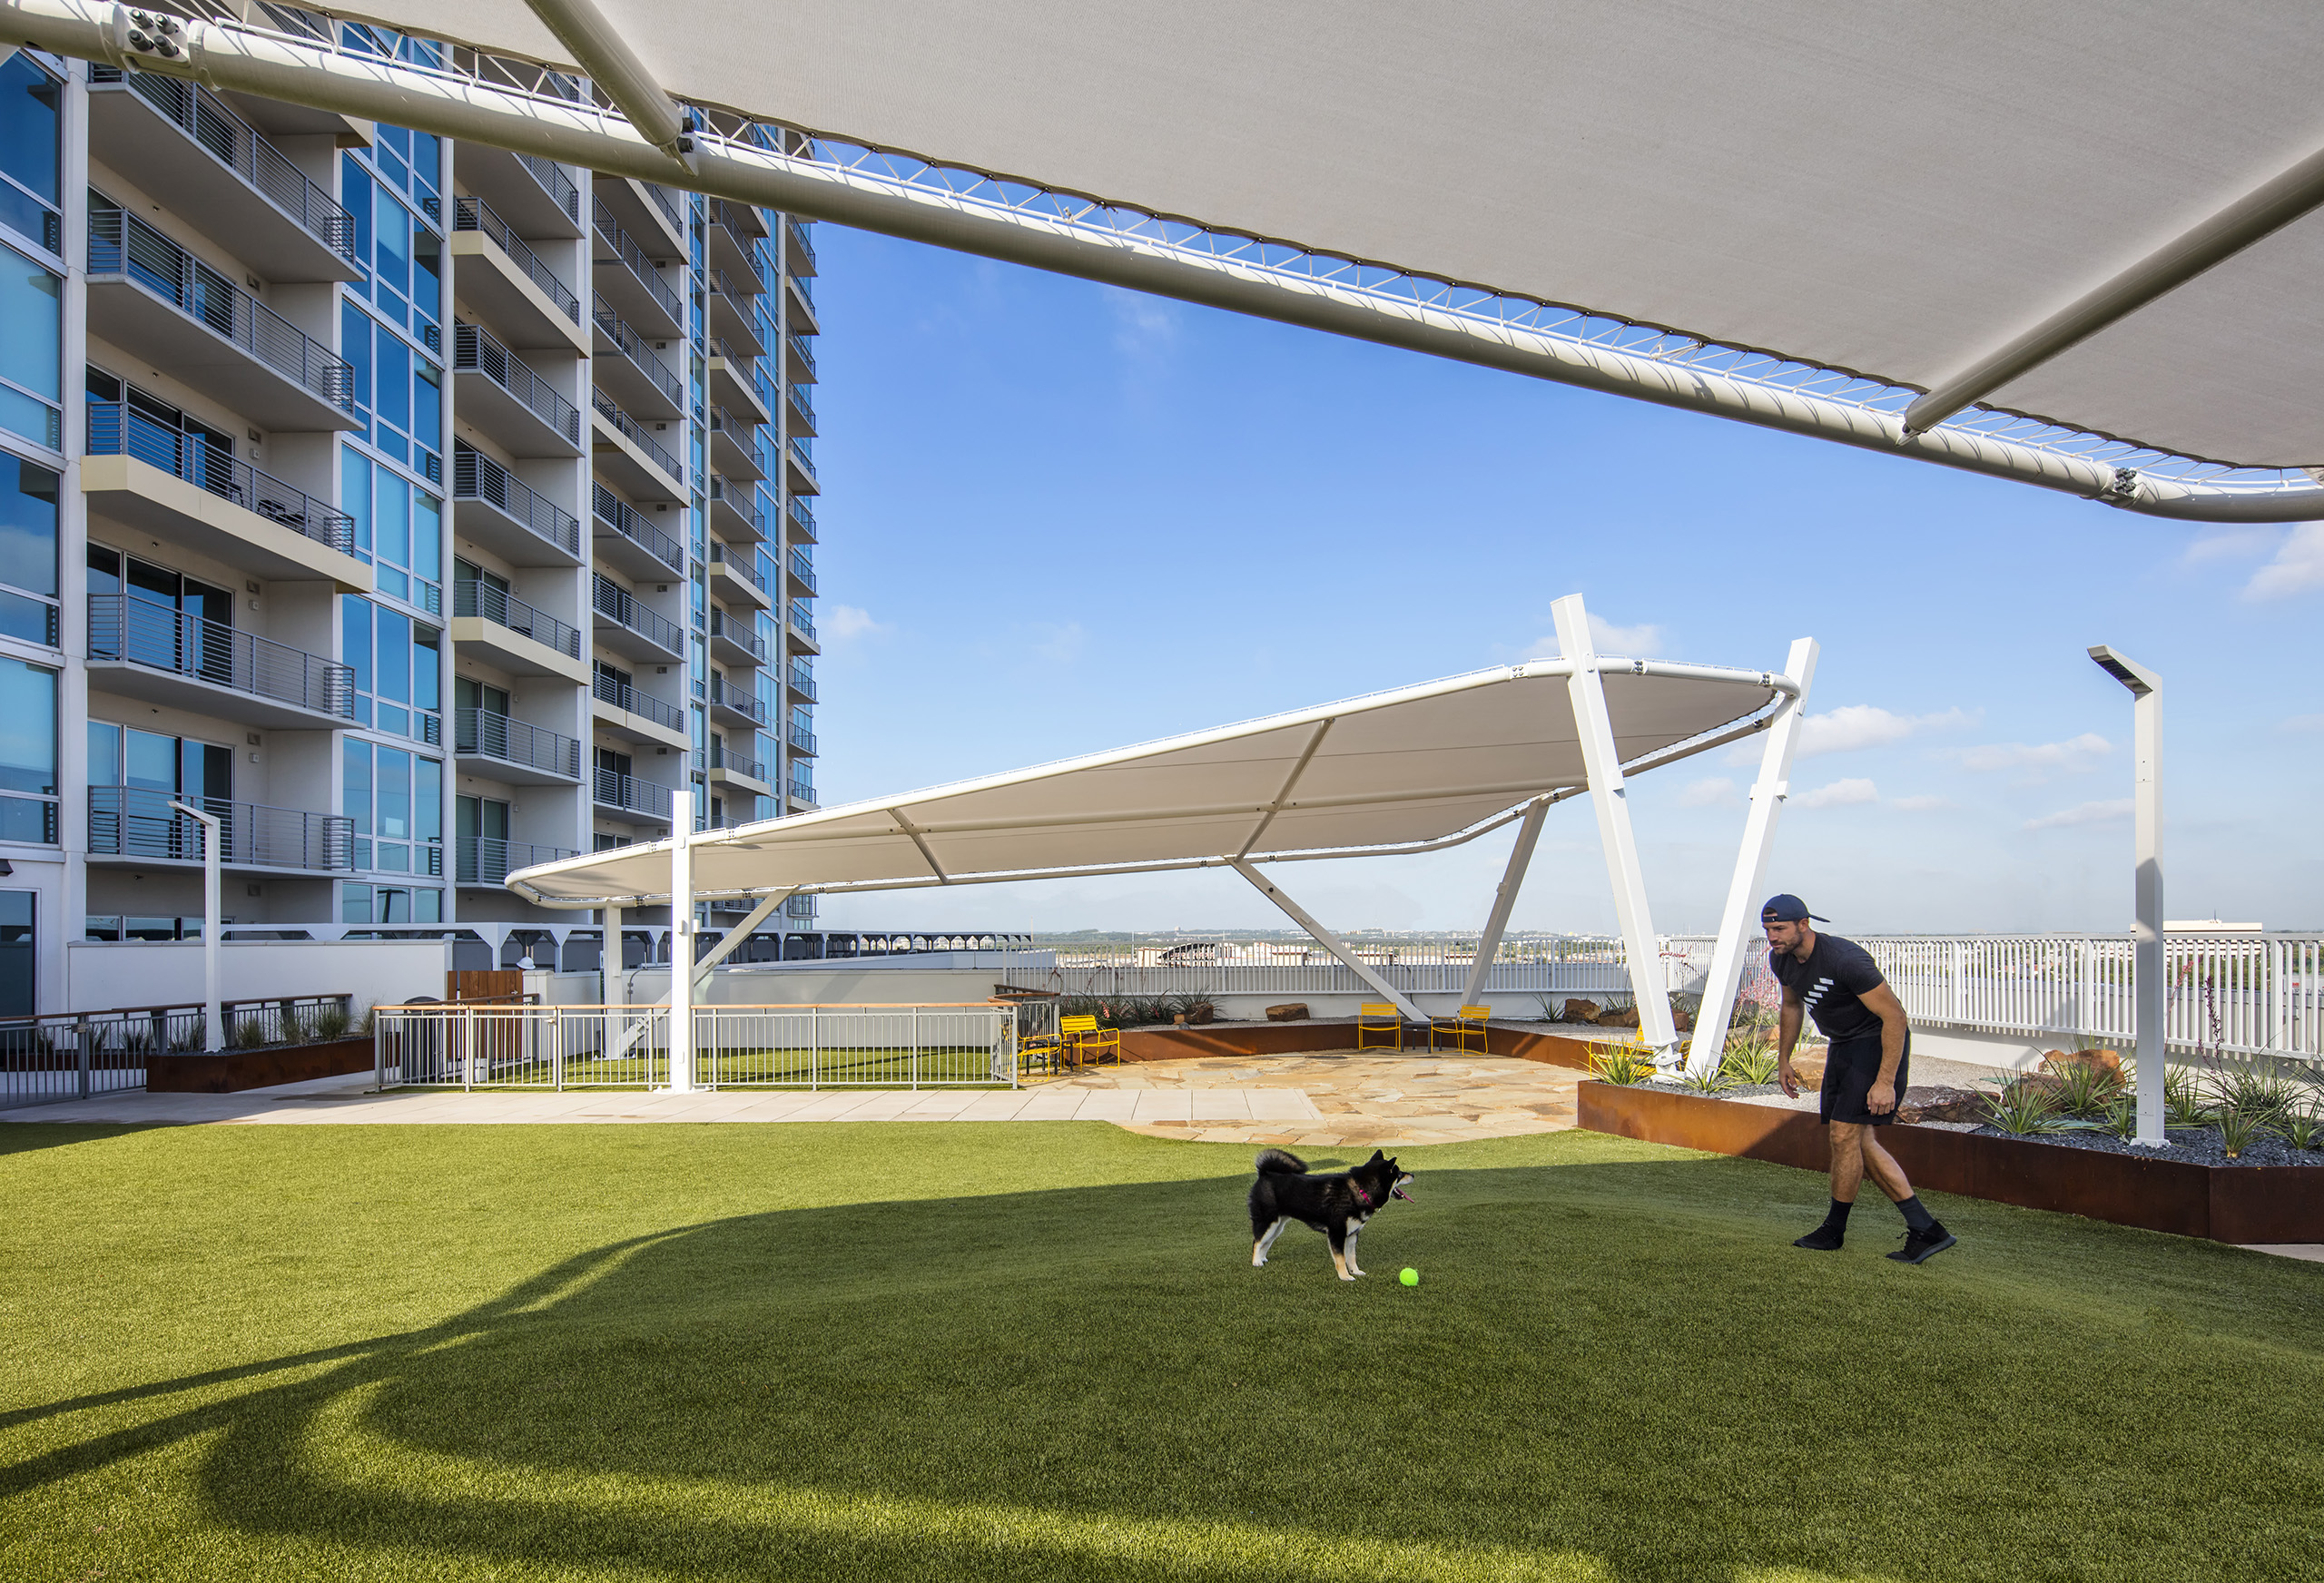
(418, 510)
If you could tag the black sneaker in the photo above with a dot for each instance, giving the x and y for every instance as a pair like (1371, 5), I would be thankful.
(1920, 1246)
(1823, 1239)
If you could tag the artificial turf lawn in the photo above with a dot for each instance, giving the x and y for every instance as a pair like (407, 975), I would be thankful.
(1038, 1351)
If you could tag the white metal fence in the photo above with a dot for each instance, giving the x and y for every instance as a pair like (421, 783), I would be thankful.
(735, 1047)
(1546, 967)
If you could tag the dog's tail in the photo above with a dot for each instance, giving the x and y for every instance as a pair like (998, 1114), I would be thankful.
(1276, 1163)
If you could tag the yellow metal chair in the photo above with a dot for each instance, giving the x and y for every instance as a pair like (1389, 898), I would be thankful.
(1087, 1043)
(1040, 1052)
(1463, 1026)
(1379, 1020)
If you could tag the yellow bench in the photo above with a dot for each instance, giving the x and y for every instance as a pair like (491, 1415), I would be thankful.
(1087, 1043)
(1463, 1026)
(1379, 1020)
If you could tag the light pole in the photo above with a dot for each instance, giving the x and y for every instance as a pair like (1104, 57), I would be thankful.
(213, 930)
(2146, 927)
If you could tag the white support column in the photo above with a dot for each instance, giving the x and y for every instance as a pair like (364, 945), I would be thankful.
(1330, 942)
(1529, 830)
(681, 953)
(214, 928)
(2148, 964)
(1608, 795)
(609, 979)
(1737, 924)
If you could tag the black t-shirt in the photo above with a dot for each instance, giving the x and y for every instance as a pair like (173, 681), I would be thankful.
(1833, 981)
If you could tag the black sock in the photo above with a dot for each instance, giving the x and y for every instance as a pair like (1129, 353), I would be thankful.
(1916, 1213)
(1836, 1217)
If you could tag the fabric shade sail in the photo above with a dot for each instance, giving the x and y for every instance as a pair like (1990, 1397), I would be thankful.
(1384, 771)
(1897, 191)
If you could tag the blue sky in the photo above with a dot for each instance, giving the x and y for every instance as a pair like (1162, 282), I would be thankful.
(1059, 517)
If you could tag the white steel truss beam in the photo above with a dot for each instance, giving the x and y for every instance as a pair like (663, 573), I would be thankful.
(1071, 237)
(1332, 943)
(1738, 923)
(601, 51)
(1529, 831)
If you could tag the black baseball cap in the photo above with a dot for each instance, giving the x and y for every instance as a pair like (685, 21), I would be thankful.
(1786, 909)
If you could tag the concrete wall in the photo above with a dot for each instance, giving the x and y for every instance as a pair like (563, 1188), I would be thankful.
(103, 975)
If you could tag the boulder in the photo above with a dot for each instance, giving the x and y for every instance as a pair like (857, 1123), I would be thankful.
(1942, 1105)
(1681, 1021)
(1201, 1011)
(1295, 1011)
(1625, 1018)
(1581, 1011)
(2059, 1061)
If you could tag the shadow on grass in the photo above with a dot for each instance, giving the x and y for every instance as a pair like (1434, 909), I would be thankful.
(1609, 1370)
(24, 1137)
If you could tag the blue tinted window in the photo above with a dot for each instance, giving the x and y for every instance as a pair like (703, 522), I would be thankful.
(355, 184)
(28, 99)
(355, 346)
(27, 728)
(394, 519)
(28, 528)
(32, 325)
(395, 656)
(357, 798)
(394, 364)
(355, 494)
(355, 638)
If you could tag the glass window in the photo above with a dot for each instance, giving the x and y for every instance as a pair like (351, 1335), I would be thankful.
(391, 519)
(355, 904)
(355, 650)
(27, 751)
(28, 529)
(355, 346)
(394, 792)
(427, 800)
(355, 192)
(356, 801)
(152, 760)
(105, 754)
(16, 957)
(393, 360)
(426, 669)
(395, 656)
(32, 341)
(428, 408)
(427, 537)
(355, 494)
(28, 152)
(391, 251)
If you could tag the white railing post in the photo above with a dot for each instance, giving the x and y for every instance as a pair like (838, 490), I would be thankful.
(681, 1040)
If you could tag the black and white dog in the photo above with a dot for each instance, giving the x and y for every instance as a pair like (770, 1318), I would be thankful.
(1336, 1206)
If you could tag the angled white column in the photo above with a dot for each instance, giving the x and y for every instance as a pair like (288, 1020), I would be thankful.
(2148, 964)
(739, 933)
(1330, 942)
(1527, 832)
(681, 953)
(1737, 924)
(1610, 797)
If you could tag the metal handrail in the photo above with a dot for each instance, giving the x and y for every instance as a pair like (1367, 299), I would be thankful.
(487, 860)
(801, 455)
(475, 214)
(618, 606)
(804, 793)
(722, 757)
(121, 245)
(474, 349)
(801, 567)
(743, 703)
(742, 219)
(476, 597)
(803, 515)
(132, 821)
(131, 630)
(741, 636)
(660, 197)
(806, 353)
(739, 497)
(623, 696)
(610, 410)
(616, 514)
(805, 286)
(561, 188)
(799, 240)
(802, 682)
(725, 422)
(234, 143)
(633, 347)
(800, 399)
(741, 566)
(476, 477)
(616, 789)
(119, 430)
(489, 735)
(626, 248)
(801, 622)
(801, 739)
(721, 286)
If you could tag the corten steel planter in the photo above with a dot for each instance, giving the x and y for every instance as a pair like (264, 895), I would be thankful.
(2229, 1204)
(232, 1071)
(1283, 1039)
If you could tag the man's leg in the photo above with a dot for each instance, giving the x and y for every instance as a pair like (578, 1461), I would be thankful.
(1848, 1177)
(1924, 1237)
(1881, 1163)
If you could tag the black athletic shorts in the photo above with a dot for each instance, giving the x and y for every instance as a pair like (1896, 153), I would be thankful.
(1849, 1071)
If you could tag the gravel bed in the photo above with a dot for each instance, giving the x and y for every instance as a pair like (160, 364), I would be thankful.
(2196, 1145)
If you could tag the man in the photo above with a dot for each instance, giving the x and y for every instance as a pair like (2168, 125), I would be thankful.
(1838, 981)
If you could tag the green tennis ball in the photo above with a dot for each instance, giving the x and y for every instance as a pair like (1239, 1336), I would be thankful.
(1411, 1277)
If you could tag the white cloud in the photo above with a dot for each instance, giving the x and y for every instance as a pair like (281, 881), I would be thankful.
(1842, 794)
(2071, 756)
(2297, 568)
(1921, 803)
(842, 623)
(1709, 793)
(1629, 642)
(1141, 323)
(1866, 725)
(2083, 813)
(2221, 544)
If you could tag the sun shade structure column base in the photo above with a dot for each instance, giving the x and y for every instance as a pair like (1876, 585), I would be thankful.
(1332, 943)
(682, 954)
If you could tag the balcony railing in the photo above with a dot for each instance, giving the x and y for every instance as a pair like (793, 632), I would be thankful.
(739, 634)
(739, 564)
(476, 477)
(802, 401)
(230, 139)
(805, 286)
(634, 348)
(802, 622)
(743, 703)
(485, 859)
(616, 604)
(722, 757)
(615, 513)
(739, 497)
(803, 517)
(802, 682)
(614, 789)
(626, 248)
(121, 245)
(806, 353)
(612, 413)
(560, 187)
(486, 733)
(668, 206)
(740, 218)
(802, 456)
(124, 628)
(628, 699)
(802, 792)
(801, 739)
(474, 351)
(801, 567)
(128, 821)
(474, 597)
(118, 430)
(800, 245)
(475, 214)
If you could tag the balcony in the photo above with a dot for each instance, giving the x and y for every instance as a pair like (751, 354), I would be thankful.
(734, 315)
(735, 230)
(627, 796)
(168, 657)
(733, 382)
(621, 710)
(484, 860)
(514, 285)
(536, 197)
(632, 458)
(733, 642)
(629, 280)
(139, 826)
(803, 520)
(801, 740)
(505, 631)
(802, 570)
(741, 705)
(802, 683)
(801, 627)
(166, 484)
(735, 514)
(748, 774)
(740, 577)
(803, 406)
(799, 359)
(630, 544)
(173, 137)
(733, 446)
(491, 744)
(501, 513)
(625, 626)
(501, 395)
(801, 310)
(800, 248)
(803, 797)
(629, 369)
(150, 297)
(802, 458)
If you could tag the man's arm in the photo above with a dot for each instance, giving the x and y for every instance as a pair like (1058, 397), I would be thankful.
(1882, 1002)
(1786, 1036)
